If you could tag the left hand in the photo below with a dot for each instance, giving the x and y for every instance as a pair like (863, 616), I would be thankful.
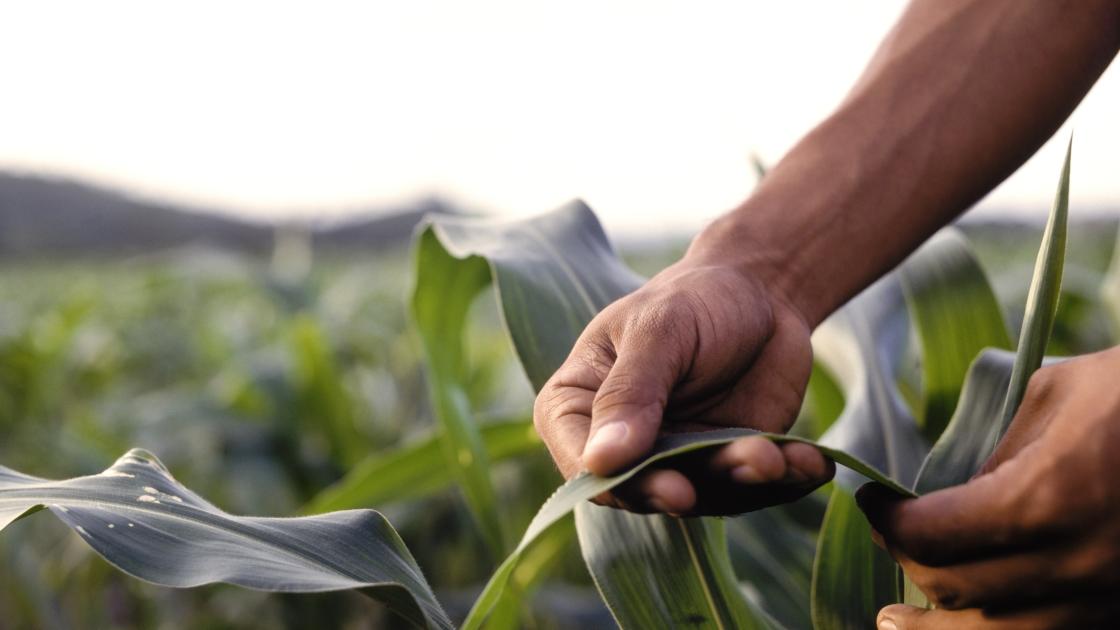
(1033, 540)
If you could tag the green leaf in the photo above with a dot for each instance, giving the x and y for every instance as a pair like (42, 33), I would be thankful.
(582, 488)
(973, 432)
(321, 393)
(863, 345)
(552, 274)
(538, 561)
(714, 601)
(773, 556)
(971, 436)
(445, 289)
(1110, 288)
(144, 522)
(852, 577)
(418, 469)
(823, 404)
(955, 314)
(997, 380)
(1042, 298)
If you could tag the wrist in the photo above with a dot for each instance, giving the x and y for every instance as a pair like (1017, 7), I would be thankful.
(736, 241)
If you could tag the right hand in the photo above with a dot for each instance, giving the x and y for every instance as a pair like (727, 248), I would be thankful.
(701, 346)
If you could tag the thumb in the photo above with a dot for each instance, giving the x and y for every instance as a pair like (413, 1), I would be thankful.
(627, 410)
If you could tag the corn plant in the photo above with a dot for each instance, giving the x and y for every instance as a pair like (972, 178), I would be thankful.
(808, 564)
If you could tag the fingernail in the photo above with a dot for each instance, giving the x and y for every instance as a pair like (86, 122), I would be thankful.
(607, 436)
(887, 624)
(746, 474)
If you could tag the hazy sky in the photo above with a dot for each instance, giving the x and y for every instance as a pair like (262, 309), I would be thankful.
(648, 110)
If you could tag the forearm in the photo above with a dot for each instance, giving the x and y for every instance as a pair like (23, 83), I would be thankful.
(958, 95)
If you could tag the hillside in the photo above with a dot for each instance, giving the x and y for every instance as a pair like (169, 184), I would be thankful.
(45, 216)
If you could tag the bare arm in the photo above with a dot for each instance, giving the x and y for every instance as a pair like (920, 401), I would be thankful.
(959, 94)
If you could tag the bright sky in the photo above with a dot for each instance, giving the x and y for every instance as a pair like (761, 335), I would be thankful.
(648, 110)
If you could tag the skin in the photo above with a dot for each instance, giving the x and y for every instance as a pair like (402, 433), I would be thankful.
(959, 94)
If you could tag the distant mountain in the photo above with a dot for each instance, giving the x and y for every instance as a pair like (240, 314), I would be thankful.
(42, 216)
(384, 229)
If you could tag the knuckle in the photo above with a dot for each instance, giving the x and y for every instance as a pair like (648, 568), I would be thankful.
(1042, 501)
(625, 389)
(1042, 384)
(662, 319)
(593, 355)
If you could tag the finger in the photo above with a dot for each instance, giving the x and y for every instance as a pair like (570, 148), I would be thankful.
(807, 464)
(712, 490)
(562, 409)
(1067, 615)
(751, 460)
(1016, 580)
(664, 491)
(980, 518)
(562, 417)
(759, 460)
(627, 410)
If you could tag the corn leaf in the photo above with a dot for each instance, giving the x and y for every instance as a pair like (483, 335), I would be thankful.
(973, 433)
(971, 436)
(581, 488)
(714, 601)
(418, 469)
(552, 274)
(1042, 298)
(140, 519)
(956, 315)
(852, 577)
(863, 345)
(823, 404)
(445, 289)
(777, 554)
(997, 380)
(530, 574)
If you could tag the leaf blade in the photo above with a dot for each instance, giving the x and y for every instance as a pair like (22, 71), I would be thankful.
(1042, 298)
(417, 469)
(141, 520)
(955, 314)
(445, 289)
(852, 578)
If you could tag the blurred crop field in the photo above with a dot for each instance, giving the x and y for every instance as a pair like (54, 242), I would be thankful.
(261, 381)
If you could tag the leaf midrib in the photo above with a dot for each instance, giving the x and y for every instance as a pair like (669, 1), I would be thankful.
(701, 575)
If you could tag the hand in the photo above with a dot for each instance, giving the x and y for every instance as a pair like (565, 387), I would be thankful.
(701, 346)
(1033, 541)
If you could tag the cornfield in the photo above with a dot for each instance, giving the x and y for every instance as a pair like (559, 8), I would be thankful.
(390, 383)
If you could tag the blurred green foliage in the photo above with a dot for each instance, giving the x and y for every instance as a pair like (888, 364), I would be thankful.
(257, 389)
